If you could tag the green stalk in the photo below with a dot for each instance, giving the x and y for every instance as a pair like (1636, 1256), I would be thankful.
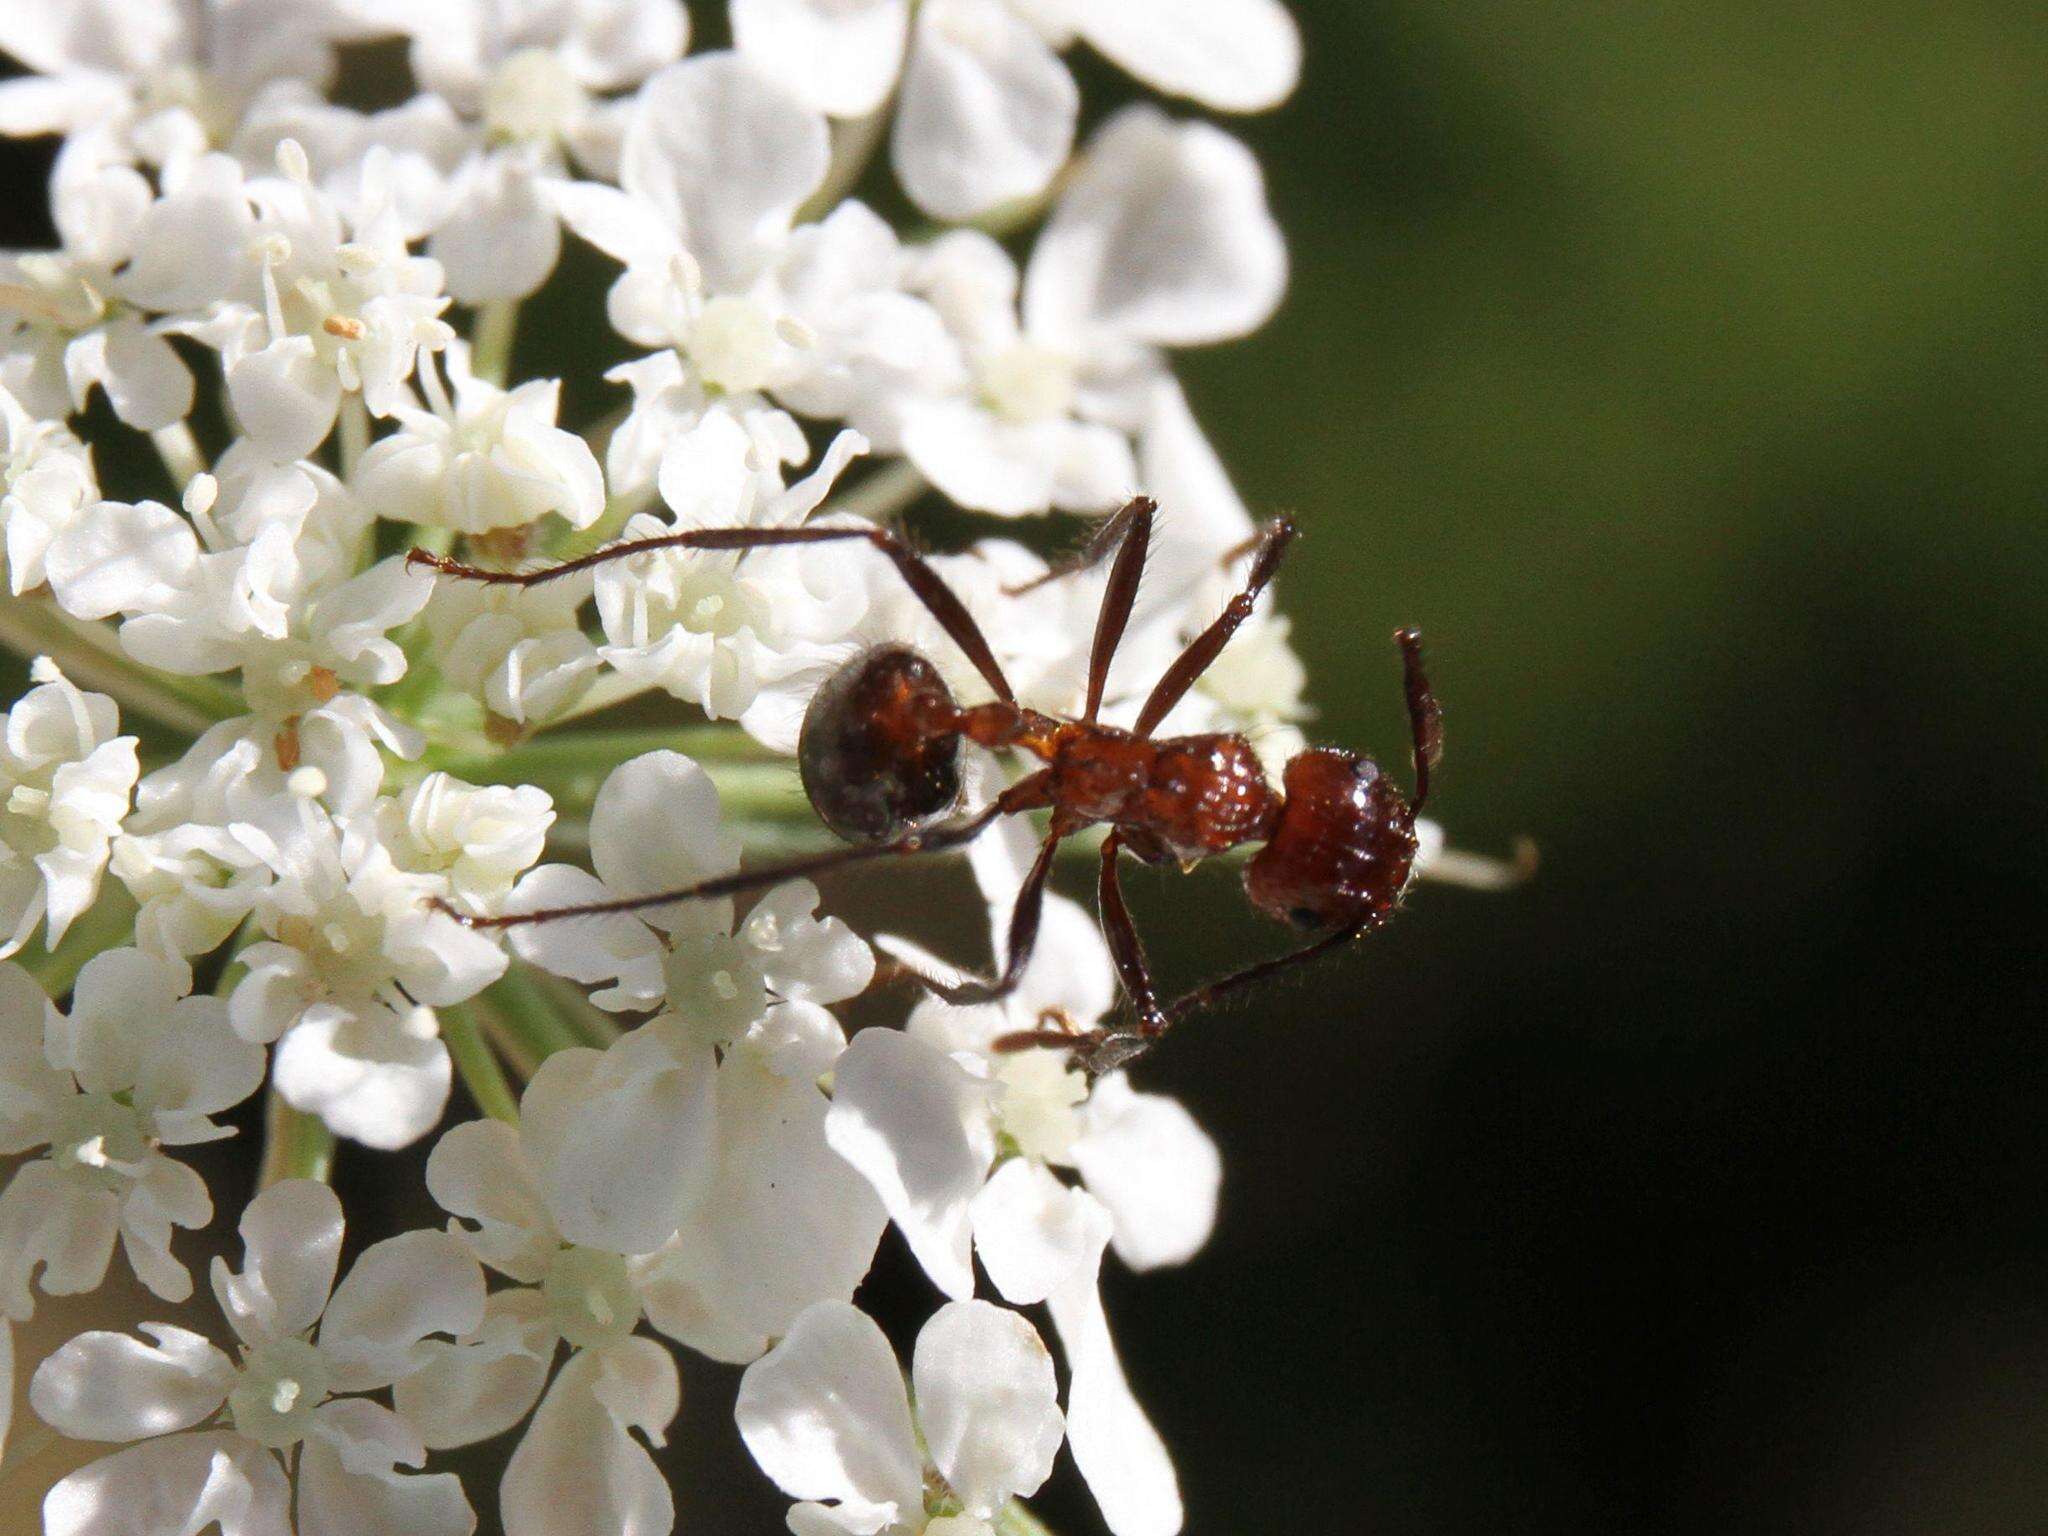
(29, 630)
(595, 1026)
(490, 340)
(296, 1145)
(477, 1066)
(528, 1021)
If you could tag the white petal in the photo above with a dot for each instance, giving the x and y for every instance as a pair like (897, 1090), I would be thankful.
(694, 122)
(655, 826)
(1164, 237)
(987, 1403)
(1235, 55)
(283, 398)
(52, 1221)
(479, 1388)
(394, 1295)
(348, 1486)
(618, 947)
(501, 239)
(1035, 1234)
(1114, 1444)
(371, 1075)
(625, 1190)
(577, 1472)
(109, 1386)
(123, 559)
(917, 1127)
(180, 1486)
(839, 57)
(1143, 1156)
(291, 1241)
(146, 382)
(478, 1170)
(785, 1222)
(987, 113)
(825, 1415)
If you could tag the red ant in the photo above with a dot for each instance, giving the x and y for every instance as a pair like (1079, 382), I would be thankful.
(880, 758)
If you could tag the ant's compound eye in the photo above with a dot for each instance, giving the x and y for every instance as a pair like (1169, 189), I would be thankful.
(1342, 848)
(878, 753)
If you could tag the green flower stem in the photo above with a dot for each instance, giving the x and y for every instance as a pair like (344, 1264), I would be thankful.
(296, 1145)
(527, 1020)
(597, 1027)
(550, 758)
(32, 630)
(490, 340)
(477, 1066)
(1013, 1519)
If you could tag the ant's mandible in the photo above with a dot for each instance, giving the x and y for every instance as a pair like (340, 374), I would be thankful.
(880, 759)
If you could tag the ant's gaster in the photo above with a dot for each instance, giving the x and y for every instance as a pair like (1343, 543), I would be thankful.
(880, 752)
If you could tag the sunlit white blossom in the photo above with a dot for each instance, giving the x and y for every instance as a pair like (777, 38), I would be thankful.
(134, 1067)
(826, 1415)
(291, 1400)
(65, 779)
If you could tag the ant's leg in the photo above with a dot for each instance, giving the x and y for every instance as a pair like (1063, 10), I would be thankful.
(925, 583)
(1128, 951)
(1203, 650)
(1100, 543)
(1023, 936)
(1026, 794)
(1118, 599)
(1129, 532)
(1425, 715)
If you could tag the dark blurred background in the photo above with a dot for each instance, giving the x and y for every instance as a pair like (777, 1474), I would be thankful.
(1679, 369)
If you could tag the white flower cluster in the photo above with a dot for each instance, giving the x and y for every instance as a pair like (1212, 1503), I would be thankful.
(306, 310)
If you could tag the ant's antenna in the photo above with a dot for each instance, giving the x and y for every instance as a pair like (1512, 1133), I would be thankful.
(1425, 715)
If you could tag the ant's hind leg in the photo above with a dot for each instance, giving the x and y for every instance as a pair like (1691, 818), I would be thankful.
(925, 583)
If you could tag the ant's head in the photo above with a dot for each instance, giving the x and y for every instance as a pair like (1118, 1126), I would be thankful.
(1342, 848)
(877, 752)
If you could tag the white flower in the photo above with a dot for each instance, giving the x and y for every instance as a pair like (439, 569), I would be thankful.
(65, 778)
(743, 303)
(718, 629)
(291, 1399)
(577, 1468)
(1163, 239)
(491, 458)
(826, 1416)
(479, 839)
(266, 582)
(135, 1067)
(73, 319)
(958, 1142)
(352, 965)
(987, 109)
(521, 651)
(338, 306)
(168, 79)
(46, 483)
(716, 1124)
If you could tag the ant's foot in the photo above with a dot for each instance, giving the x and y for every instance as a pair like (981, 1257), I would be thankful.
(441, 905)
(1051, 1039)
